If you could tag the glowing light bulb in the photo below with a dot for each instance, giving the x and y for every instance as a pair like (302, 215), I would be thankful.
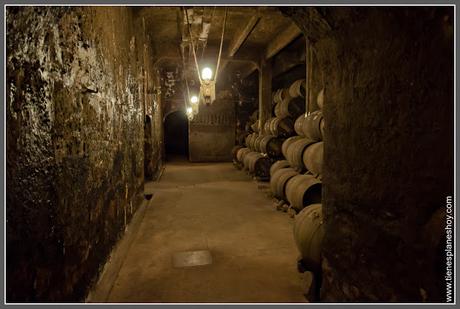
(206, 74)
(189, 110)
(194, 99)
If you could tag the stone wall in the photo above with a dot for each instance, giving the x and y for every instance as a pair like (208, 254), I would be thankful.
(388, 154)
(212, 132)
(78, 90)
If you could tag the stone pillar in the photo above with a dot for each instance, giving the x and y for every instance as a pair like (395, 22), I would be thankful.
(265, 93)
(388, 163)
(308, 64)
(311, 82)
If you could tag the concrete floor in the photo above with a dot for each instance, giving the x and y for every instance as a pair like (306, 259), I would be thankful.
(205, 207)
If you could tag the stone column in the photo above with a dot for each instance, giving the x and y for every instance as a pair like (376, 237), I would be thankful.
(265, 93)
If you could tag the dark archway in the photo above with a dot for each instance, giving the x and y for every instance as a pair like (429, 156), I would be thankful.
(176, 136)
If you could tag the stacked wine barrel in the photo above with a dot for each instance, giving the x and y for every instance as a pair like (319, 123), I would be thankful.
(304, 153)
(296, 180)
(288, 150)
(308, 235)
(251, 124)
(263, 145)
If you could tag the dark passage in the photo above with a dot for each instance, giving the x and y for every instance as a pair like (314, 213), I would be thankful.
(176, 136)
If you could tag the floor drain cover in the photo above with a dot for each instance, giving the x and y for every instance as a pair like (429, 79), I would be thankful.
(192, 258)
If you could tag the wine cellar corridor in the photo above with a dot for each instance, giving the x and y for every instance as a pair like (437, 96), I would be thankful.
(229, 154)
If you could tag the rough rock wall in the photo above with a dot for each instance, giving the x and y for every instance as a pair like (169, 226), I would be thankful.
(153, 125)
(158, 125)
(388, 154)
(76, 103)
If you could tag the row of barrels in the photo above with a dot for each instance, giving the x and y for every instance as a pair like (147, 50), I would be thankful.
(297, 89)
(265, 144)
(297, 189)
(303, 192)
(278, 126)
(253, 162)
(310, 125)
(298, 138)
(305, 151)
(290, 102)
(296, 181)
(309, 229)
(304, 154)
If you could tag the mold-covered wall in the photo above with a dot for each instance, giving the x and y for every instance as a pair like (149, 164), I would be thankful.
(77, 96)
(153, 122)
(388, 147)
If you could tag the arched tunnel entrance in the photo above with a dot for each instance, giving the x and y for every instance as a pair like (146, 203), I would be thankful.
(176, 136)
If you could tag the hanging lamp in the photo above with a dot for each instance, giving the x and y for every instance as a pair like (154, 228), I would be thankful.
(207, 82)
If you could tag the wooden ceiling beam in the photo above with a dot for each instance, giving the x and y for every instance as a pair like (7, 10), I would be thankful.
(282, 40)
(238, 40)
(241, 37)
(249, 70)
